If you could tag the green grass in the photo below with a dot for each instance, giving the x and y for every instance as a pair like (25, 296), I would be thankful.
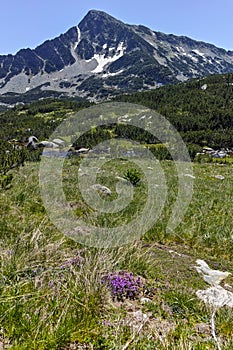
(51, 295)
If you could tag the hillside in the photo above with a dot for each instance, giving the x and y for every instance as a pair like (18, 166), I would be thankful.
(52, 290)
(200, 109)
(61, 294)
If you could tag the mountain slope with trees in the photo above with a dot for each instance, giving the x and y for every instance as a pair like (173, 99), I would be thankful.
(201, 109)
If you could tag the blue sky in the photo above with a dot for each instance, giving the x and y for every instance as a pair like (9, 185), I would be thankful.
(27, 23)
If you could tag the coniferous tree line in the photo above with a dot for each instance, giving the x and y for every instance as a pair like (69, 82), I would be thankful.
(201, 110)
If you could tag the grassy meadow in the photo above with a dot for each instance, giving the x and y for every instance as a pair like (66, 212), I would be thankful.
(53, 294)
(61, 293)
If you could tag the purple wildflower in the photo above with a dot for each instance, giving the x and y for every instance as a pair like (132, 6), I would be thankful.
(122, 285)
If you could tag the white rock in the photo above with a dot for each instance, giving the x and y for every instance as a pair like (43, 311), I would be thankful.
(204, 87)
(59, 142)
(213, 277)
(102, 189)
(216, 296)
(48, 144)
(146, 300)
(122, 179)
(190, 175)
(83, 150)
(220, 177)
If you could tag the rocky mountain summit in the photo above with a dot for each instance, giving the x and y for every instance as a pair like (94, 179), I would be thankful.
(102, 56)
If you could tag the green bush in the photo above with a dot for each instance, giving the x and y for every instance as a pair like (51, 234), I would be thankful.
(5, 181)
(133, 175)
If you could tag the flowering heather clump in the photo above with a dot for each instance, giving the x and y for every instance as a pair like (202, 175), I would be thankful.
(122, 285)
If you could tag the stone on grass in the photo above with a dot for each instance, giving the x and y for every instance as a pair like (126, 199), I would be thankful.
(102, 189)
(220, 177)
(216, 296)
(213, 277)
(146, 300)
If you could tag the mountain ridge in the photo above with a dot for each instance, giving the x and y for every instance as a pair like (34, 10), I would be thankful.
(102, 56)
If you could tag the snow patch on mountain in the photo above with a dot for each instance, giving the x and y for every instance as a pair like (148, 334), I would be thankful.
(75, 45)
(106, 75)
(195, 59)
(180, 49)
(199, 53)
(79, 38)
(102, 60)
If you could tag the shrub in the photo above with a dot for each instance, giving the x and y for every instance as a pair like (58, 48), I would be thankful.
(5, 181)
(133, 175)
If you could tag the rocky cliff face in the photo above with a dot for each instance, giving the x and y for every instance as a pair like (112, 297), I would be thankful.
(102, 56)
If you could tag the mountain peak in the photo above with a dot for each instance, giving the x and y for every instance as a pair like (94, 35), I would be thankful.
(103, 56)
(98, 19)
(98, 14)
